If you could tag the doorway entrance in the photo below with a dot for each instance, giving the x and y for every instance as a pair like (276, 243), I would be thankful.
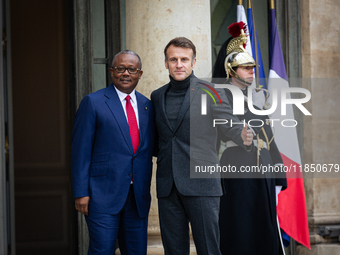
(44, 212)
(47, 43)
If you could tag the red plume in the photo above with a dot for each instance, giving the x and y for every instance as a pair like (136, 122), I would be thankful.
(235, 29)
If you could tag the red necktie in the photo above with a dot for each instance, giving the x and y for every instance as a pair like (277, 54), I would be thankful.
(133, 126)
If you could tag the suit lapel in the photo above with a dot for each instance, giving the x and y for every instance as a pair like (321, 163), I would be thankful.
(162, 105)
(143, 117)
(116, 108)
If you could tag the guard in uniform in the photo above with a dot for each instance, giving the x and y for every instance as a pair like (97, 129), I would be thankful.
(248, 221)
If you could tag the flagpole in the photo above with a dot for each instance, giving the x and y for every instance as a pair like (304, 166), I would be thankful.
(272, 4)
(257, 77)
(240, 2)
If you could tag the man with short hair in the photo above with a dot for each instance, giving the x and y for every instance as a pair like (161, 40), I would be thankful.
(182, 199)
(112, 148)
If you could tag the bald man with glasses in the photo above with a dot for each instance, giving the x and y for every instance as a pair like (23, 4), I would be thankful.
(112, 148)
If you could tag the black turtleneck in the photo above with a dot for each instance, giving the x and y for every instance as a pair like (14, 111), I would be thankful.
(174, 98)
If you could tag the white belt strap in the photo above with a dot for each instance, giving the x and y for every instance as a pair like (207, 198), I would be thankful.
(230, 144)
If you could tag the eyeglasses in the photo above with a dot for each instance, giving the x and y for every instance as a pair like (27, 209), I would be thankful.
(121, 69)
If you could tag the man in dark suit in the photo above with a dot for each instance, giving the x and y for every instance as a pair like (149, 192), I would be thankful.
(112, 148)
(186, 139)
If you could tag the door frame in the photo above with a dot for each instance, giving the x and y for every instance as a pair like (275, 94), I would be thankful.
(84, 62)
(7, 210)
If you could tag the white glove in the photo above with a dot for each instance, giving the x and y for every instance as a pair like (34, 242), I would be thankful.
(277, 191)
(258, 98)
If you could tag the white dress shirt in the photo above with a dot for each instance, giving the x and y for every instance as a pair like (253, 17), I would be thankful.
(133, 101)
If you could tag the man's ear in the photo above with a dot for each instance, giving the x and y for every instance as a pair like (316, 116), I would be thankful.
(140, 74)
(166, 64)
(193, 63)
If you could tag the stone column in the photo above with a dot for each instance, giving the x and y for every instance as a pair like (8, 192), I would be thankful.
(150, 25)
(320, 59)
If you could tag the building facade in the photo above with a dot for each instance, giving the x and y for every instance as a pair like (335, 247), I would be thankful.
(55, 52)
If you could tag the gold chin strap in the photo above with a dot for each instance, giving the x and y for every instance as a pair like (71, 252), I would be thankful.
(228, 66)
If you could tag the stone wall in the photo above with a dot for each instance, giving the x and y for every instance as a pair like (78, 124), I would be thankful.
(320, 41)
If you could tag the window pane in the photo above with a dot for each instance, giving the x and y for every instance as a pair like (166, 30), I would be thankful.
(98, 8)
(99, 77)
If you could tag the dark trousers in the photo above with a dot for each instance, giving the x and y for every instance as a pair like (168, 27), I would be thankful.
(175, 213)
(127, 225)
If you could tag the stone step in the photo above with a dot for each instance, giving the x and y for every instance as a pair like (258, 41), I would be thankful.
(155, 246)
(158, 250)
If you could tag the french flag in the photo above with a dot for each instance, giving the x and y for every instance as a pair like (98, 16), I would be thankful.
(241, 16)
(262, 76)
(291, 209)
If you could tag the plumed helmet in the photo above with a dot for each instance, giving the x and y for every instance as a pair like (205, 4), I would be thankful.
(236, 54)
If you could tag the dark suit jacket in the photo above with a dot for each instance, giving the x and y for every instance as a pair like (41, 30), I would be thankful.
(191, 143)
(103, 161)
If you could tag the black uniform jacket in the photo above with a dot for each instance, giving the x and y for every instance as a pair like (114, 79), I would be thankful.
(248, 207)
